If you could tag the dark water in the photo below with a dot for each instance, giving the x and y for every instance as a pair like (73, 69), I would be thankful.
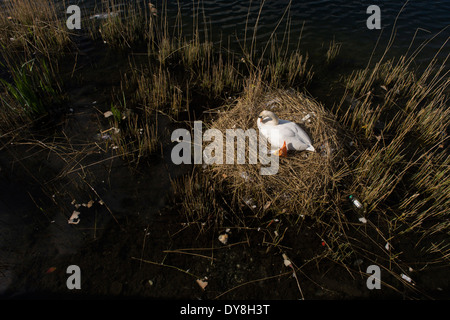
(318, 22)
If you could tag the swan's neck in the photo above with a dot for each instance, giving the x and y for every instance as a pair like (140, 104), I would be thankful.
(273, 120)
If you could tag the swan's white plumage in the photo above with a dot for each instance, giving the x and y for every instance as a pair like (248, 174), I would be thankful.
(278, 131)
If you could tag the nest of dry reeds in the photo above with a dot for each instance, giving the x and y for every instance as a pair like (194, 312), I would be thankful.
(306, 182)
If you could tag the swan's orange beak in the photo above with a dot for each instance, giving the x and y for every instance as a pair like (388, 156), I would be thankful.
(283, 151)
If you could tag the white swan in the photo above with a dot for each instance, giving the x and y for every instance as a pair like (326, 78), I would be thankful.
(283, 134)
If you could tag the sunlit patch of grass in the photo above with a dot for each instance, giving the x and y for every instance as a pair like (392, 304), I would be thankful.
(400, 121)
(33, 26)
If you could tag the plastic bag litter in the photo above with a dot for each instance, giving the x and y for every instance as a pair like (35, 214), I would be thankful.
(74, 218)
(104, 15)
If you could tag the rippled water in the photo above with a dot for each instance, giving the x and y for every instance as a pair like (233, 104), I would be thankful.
(316, 21)
(320, 21)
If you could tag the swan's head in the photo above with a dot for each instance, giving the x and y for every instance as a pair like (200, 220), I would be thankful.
(268, 117)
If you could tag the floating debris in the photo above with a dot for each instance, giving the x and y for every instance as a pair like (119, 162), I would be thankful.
(104, 15)
(405, 277)
(108, 114)
(74, 218)
(362, 220)
(90, 204)
(286, 260)
(50, 270)
(357, 204)
(223, 238)
(202, 283)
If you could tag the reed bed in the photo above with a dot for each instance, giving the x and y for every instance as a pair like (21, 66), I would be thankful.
(133, 137)
(121, 26)
(33, 26)
(401, 158)
(34, 89)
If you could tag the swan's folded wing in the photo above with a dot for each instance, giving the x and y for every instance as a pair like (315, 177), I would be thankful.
(302, 135)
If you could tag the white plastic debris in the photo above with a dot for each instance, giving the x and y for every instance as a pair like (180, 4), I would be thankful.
(223, 238)
(202, 283)
(90, 204)
(306, 117)
(286, 260)
(362, 220)
(74, 218)
(104, 15)
(405, 277)
(108, 114)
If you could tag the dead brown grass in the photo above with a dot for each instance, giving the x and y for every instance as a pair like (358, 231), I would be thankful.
(33, 26)
(306, 182)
